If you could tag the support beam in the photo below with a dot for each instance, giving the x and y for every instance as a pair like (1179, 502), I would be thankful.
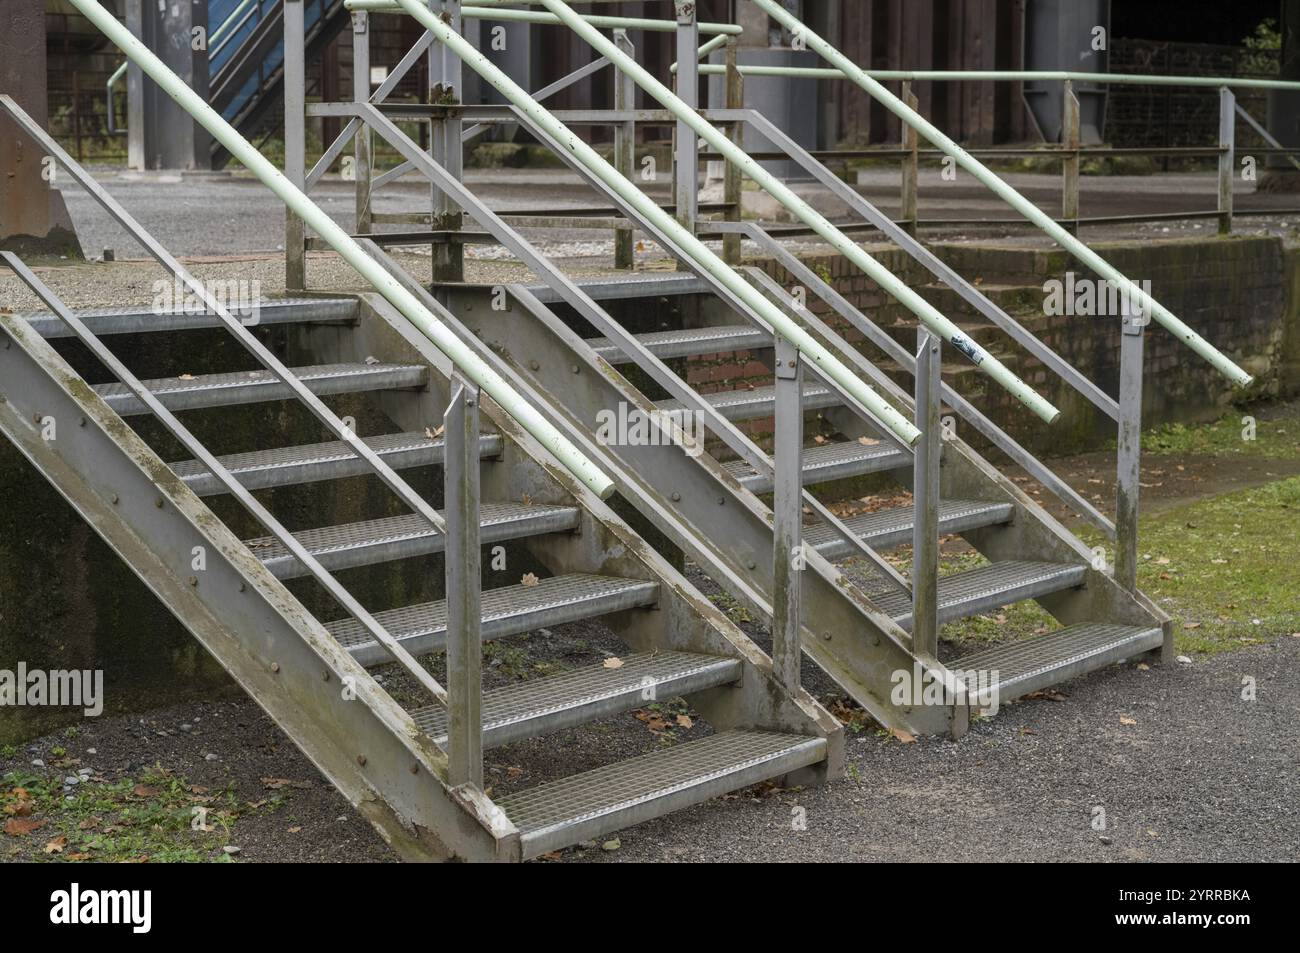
(160, 134)
(686, 165)
(464, 582)
(624, 149)
(787, 515)
(363, 167)
(295, 142)
(1070, 142)
(445, 86)
(925, 496)
(1129, 451)
(1227, 157)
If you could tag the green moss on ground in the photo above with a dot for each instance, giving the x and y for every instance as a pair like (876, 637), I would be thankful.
(1276, 438)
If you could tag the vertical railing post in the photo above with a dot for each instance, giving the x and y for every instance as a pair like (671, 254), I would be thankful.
(787, 514)
(463, 577)
(1129, 453)
(1070, 145)
(363, 143)
(925, 496)
(911, 165)
(624, 148)
(733, 183)
(1227, 146)
(445, 146)
(686, 165)
(295, 142)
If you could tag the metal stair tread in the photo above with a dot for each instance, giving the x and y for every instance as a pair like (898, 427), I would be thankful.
(688, 342)
(541, 705)
(563, 812)
(135, 320)
(310, 463)
(892, 527)
(828, 461)
(508, 610)
(215, 390)
(979, 590)
(398, 537)
(748, 404)
(1030, 664)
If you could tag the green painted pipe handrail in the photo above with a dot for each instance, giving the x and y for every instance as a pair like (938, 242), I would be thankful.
(891, 283)
(479, 11)
(808, 346)
(443, 338)
(1026, 76)
(1078, 249)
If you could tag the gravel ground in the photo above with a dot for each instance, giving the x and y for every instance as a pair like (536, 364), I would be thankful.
(1201, 776)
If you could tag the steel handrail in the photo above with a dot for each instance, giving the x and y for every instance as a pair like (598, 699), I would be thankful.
(443, 338)
(891, 283)
(483, 11)
(1147, 304)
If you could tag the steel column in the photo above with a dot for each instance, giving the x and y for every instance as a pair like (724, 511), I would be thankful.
(624, 149)
(1130, 449)
(733, 182)
(925, 495)
(911, 166)
(295, 142)
(686, 167)
(787, 515)
(464, 581)
(364, 140)
(445, 145)
(1227, 136)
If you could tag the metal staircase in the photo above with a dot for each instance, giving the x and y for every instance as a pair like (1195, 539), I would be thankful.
(540, 372)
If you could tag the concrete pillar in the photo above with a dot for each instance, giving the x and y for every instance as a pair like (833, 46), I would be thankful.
(161, 134)
(33, 218)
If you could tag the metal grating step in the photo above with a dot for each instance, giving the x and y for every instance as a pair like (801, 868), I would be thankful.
(1043, 660)
(508, 610)
(759, 402)
(831, 461)
(615, 796)
(979, 590)
(251, 387)
(542, 705)
(688, 342)
(893, 527)
(400, 537)
(138, 320)
(315, 462)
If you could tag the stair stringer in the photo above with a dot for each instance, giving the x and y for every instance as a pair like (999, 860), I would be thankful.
(703, 510)
(683, 620)
(366, 745)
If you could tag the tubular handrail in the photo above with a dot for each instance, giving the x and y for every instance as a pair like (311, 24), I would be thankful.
(928, 259)
(1026, 76)
(591, 310)
(1147, 304)
(482, 11)
(818, 356)
(900, 290)
(446, 341)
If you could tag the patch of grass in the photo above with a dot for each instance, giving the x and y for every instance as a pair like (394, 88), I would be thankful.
(1007, 624)
(1226, 568)
(156, 816)
(1226, 437)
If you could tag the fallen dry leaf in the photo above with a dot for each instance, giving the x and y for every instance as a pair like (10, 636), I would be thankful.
(684, 721)
(144, 790)
(613, 663)
(529, 580)
(906, 737)
(56, 846)
(186, 377)
(21, 827)
(1047, 694)
(1125, 720)
(295, 830)
(433, 434)
(1191, 625)
(868, 441)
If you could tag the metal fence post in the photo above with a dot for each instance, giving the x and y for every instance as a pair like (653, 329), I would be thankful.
(1227, 145)
(686, 165)
(911, 166)
(464, 579)
(295, 142)
(787, 514)
(445, 146)
(925, 496)
(1070, 144)
(362, 166)
(733, 183)
(1129, 453)
(624, 149)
